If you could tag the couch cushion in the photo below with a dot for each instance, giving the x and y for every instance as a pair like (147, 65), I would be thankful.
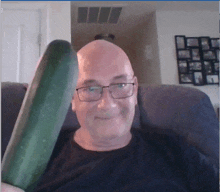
(12, 97)
(186, 111)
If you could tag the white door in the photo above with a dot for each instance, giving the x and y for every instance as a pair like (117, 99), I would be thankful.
(20, 44)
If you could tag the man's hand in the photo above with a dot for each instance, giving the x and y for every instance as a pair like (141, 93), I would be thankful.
(9, 188)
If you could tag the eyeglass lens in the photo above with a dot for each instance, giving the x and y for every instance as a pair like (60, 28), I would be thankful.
(117, 91)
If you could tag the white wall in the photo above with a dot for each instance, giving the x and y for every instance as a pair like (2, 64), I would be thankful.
(59, 20)
(153, 74)
(55, 24)
(169, 24)
(190, 24)
(55, 18)
(144, 53)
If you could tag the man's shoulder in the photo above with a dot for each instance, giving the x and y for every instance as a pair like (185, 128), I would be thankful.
(186, 157)
(165, 143)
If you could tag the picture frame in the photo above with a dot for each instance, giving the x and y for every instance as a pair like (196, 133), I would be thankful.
(198, 78)
(205, 43)
(195, 54)
(180, 41)
(186, 78)
(217, 51)
(212, 79)
(182, 66)
(209, 55)
(192, 42)
(195, 65)
(197, 59)
(184, 54)
(207, 67)
(215, 43)
(216, 66)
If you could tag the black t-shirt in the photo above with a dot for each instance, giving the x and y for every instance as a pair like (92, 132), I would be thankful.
(150, 162)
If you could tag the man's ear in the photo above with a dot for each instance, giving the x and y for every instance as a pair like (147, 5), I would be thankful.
(136, 89)
(73, 104)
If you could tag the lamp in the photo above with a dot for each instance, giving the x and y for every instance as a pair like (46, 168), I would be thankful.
(107, 37)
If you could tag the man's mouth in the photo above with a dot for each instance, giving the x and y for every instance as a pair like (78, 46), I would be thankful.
(104, 118)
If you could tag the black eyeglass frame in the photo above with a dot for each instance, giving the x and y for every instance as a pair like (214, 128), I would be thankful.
(102, 87)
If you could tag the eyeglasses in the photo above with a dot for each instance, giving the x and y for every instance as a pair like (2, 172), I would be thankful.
(117, 91)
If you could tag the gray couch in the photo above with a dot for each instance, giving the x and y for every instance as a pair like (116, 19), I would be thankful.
(185, 111)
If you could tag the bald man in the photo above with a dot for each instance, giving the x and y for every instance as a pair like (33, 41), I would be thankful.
(105, 153)
(105, 97)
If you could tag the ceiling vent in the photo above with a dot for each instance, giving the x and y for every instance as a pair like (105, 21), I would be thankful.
(99, 14)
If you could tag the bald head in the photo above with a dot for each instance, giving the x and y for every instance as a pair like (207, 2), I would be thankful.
(103, 55)
(102, 64)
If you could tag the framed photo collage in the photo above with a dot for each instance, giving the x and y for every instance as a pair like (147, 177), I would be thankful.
(197, 59)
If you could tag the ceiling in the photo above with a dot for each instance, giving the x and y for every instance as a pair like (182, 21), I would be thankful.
(133, 14)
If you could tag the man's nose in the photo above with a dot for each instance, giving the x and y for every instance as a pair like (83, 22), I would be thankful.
(106, 101)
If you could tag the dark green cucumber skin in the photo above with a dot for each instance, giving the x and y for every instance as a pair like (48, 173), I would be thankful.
(42, 114)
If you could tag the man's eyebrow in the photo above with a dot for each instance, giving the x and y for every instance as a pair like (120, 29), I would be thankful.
(89, 81)
(123, 76)
(119, 77)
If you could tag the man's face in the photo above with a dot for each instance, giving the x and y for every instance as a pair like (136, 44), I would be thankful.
(107, 117)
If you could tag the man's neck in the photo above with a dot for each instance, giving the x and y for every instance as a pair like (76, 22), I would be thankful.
(84, 139)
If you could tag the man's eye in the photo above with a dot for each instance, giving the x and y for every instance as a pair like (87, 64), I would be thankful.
(93, 89)
(121, 85)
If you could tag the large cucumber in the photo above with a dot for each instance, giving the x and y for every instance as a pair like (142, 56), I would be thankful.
(42, 114)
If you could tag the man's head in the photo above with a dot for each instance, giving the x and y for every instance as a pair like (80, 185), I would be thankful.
(102, 63)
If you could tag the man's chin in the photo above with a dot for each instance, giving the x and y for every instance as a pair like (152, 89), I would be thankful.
(110, 133)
